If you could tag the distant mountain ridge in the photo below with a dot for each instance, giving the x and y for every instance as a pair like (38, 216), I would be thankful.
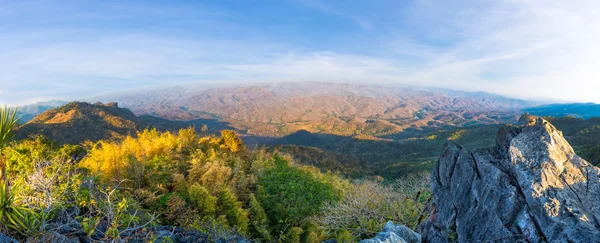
(278, 109)
(582, 110)
(28, 112)
(391, 155)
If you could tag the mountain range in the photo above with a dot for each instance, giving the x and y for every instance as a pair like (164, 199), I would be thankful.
(356, 129)
(279, 109)
(582, 110)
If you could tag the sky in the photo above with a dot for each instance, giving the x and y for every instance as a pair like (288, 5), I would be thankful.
(542, 50)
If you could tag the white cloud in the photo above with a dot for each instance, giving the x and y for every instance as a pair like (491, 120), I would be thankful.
(528, 49)
(532, 49)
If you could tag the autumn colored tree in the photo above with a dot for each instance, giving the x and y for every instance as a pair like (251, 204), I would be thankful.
(231, 141)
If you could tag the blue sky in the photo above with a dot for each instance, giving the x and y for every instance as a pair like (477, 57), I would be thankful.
(76, 49)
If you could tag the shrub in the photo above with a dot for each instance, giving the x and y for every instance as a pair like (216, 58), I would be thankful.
(13, 214)
(368, 206)
(292, 235)
(290, 194)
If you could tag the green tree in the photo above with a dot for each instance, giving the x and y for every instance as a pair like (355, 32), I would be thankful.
(202, 200)
(290, 194)
(258, 227)
(232, 209)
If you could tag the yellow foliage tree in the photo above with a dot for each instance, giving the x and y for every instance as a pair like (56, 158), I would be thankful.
(231, 141)
(130, 158)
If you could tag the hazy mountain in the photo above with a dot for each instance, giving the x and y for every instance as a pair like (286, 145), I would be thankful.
(484, 97)
(279, 109)
(583, 110)
(28, 112)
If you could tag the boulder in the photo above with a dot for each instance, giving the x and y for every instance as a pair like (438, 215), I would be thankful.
(530, 187)
(393, 233)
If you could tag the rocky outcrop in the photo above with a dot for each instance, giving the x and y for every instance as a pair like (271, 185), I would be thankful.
(395, 234)
(530, 187)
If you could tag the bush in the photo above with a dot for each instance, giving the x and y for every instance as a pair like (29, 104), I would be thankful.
(290, 194)
(292, 235)
(368, 206)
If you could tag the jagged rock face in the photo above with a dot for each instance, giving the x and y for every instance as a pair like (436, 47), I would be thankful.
(530, 187)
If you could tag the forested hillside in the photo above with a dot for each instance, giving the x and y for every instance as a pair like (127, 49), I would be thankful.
(210, 187)
(390, 156)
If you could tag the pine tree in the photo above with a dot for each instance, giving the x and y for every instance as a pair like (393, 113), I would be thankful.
(202, 200)
(233, 211)
(258, 221)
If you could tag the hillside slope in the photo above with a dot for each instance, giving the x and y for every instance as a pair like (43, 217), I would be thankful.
(77, 122)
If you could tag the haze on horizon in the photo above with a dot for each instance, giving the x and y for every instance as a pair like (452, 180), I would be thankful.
(524, 49)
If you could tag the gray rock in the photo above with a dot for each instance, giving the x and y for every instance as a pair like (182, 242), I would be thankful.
(235, 239)
(393, 233)
(170, 234)
(530, 187)
(6, 239)
(54, 238)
